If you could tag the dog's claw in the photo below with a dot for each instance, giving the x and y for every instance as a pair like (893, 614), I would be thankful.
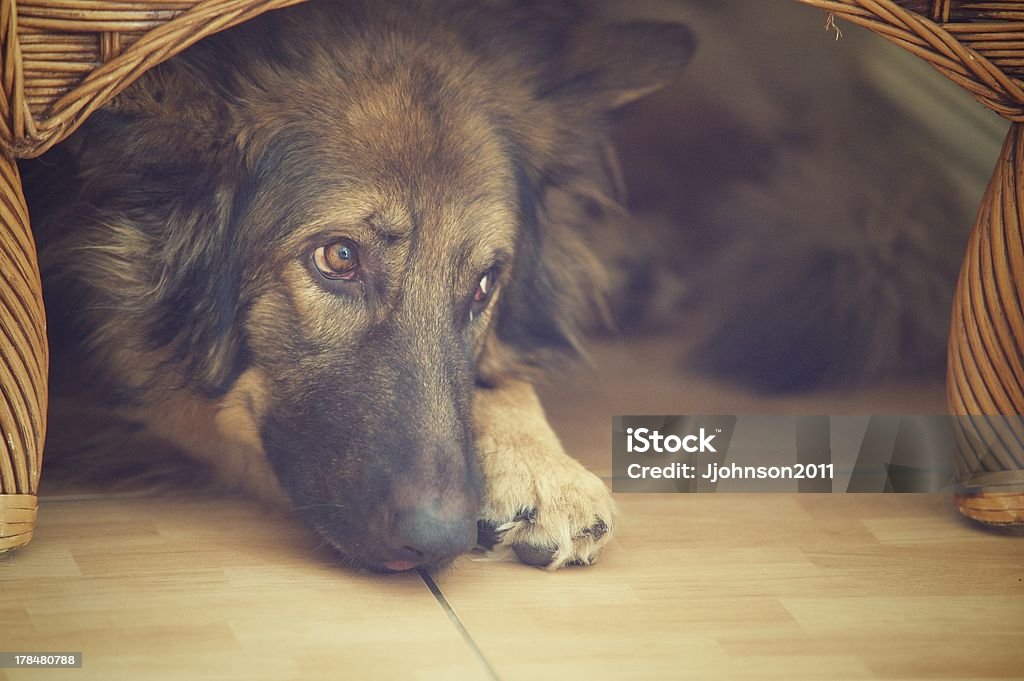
(488, 534)
(528, 515)
(597, 530)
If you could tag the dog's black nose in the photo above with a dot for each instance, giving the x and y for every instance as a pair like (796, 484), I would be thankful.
(422, 537)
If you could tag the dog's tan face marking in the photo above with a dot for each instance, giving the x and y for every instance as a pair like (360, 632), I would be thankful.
(224, 434)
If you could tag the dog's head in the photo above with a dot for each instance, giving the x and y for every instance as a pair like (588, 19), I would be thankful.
(328, 218)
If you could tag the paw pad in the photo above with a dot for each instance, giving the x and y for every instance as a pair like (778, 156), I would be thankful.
(537, 556)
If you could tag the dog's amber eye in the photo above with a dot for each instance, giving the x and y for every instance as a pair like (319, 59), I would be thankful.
(338, 260)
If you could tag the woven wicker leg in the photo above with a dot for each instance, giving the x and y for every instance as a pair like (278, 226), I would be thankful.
(23, 365)
(986, 349)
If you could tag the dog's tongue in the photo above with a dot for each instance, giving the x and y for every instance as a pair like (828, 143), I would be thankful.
(400, 565)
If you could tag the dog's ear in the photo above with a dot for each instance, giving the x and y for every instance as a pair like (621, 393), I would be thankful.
(160, 190)
(176, 89)
(622, 62)
(569, 181)
(559, 287)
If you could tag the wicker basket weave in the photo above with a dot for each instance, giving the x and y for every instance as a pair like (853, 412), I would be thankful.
(23, 364)
(63, 59)
(980, 46)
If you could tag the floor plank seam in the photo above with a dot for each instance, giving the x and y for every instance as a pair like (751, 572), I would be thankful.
(435, 590)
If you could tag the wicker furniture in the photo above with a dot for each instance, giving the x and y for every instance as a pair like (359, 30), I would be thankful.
(63, 59)
(60, 60)
(980, 46)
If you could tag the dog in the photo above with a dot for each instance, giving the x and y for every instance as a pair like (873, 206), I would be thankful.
(328, 251)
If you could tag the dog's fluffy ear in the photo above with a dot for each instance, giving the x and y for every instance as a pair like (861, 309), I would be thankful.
(174, 89)
(154, 229)
(559, 286)
(622, 62)
(575, 187)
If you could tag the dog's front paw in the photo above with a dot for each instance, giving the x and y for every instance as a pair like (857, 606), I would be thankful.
(538, 501)
(564, 517)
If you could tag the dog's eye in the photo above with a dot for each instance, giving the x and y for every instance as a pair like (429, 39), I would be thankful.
(484, 288)
(338, 260)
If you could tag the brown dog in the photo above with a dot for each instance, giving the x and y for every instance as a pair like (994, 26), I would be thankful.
(322, 250)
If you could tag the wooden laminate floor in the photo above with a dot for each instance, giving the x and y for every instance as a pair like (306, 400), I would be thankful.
(727, 586)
